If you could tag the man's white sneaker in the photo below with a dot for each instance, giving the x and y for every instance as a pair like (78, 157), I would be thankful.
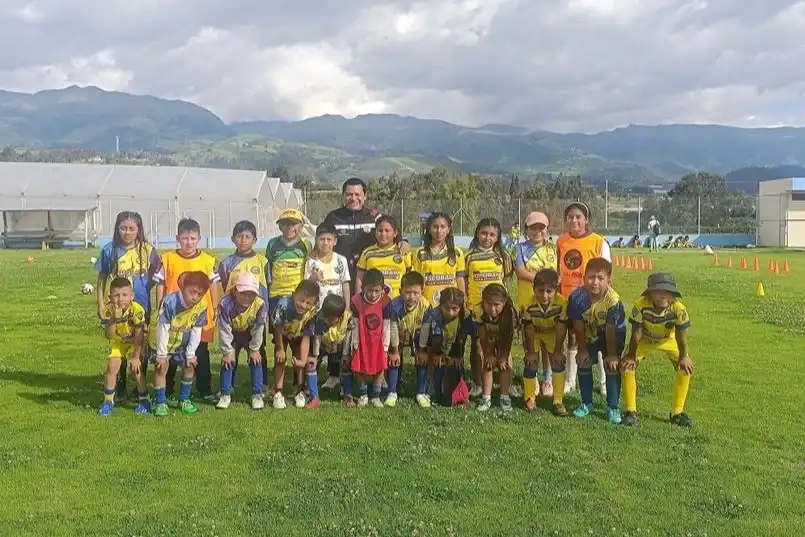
(363, 401)
(300, 400)
(475, 390)
(258, 403)
(224, 402)
(376, 402)
(331, 383)
(423, 400)
(279, 401)
(391, 400)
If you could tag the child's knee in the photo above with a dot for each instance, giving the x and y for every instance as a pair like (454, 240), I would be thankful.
(188, 372)
(113, 365)
(161, 367)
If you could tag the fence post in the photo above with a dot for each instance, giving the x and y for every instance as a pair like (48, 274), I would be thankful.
(461, 215)
(402, 215)
(699, 217)
(638, 215)
(606, 204)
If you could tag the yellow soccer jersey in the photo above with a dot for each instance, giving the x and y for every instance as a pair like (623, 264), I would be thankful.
(181, 321)
(484, 268)
(596, 315)
(332, 339)
(533, 258)
(125, 327)
(410, 322)
(439, 271)
(390, 262)
(659, 326)
(491, 327)
(287, 264)
(255, 264)
(545, 319)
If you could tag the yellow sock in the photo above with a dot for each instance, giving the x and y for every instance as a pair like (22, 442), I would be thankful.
(558, 387)
(109, 395)
(629, 390)
(530, 388)
(681, 386)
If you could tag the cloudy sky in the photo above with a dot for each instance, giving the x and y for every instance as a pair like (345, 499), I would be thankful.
(564, 65)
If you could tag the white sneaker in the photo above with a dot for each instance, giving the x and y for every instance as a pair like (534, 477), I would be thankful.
(515, 390)
(258, 403)
(391, 400)
(300, 400)
(331, 383)
(484, 404)
(363, 401)
(279, 401)
(475, 390)
(376, 402)
(423, 400)
(224, 402)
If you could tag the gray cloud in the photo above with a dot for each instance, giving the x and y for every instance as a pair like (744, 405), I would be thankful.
(562, 65)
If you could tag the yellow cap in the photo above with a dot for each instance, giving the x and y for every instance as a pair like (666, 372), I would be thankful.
(294, 215)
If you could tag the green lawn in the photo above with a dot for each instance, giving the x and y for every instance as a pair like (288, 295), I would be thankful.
(333, 471)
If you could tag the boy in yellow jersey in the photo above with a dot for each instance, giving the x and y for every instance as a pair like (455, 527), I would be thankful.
(189, 258)
(124, 320)
(659, 324)
(323, 335)
(545, 328)
(182, 318)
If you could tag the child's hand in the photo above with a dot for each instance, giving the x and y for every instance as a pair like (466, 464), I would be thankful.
(394, 359)
(559, 360)
(583, 358)
(117, 313)
(503, 364)
(629, 364)
(134, 366)
(255, 358)
(404, 247)
(421, 358)
(191, 361)
(298, 362)
(686, 365)
(531, 359)
(228, 361)
(279, 356)
(611, 363)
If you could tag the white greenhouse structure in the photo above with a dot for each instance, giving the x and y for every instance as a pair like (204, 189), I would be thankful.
(61, 203)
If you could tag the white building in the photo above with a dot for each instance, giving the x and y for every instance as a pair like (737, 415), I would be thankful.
(89, 197)
(781, 213)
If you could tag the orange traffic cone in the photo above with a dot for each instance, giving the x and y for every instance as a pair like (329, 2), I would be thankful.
(786, 267)
(729, 262)
(743, 263)
(642, 263)
(756, 267)
(635, 264)
(29, 259)
(715, 260)
(650, 264)
(771, 265)
(628, 262)
(776, 269)
(618, 261)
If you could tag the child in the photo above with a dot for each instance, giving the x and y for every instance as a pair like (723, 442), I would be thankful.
(496, 325)
(246, 260)
(324, 334)
(290, 316)
(659, 323)
(331, 271)
(367, 345)
(442, 336)
(188, 258)
(385, 256)
(128, 256)
(125, 324)
(487, 263)
(438, 260)
(182, 317)
(599, 322)
(241, 324)
(287, 256)
(407, 313)
(545, 328)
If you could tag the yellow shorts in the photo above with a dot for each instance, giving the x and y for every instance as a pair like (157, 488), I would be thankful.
(545, 338)
(667, 346)
(120, 350)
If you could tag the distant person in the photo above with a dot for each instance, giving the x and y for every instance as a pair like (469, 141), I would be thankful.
(654, 230)
(514, 235)
(618, 243)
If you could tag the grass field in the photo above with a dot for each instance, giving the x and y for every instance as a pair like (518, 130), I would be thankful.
(408, 472)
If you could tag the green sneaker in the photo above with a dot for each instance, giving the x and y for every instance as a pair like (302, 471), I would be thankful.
(161, 410)
(629, 419)
(682, 419)
(188, 407)
(582, 411)
(614, 416)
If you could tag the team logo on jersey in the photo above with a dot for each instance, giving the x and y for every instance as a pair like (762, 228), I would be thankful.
(451, 262)
(339, 269)
(373, 321)
(255, 270)
(573, 259)
(550, 258)
(397, 258)
(422, 255)
(498, 261)
(602, 315)
(669, 324)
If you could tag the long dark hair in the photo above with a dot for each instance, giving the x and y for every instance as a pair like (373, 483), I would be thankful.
(508, 317)
(451, 241)
(393, 223)
(140, 241)
(497, 247)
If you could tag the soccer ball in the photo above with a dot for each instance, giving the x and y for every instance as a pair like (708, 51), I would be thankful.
(87, 289)
(93, 260)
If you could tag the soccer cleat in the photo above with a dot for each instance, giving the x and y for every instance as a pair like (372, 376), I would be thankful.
(423, 400)
(349, 401)
(224, 402)
(560, 410)
(161, 410)
(484, 404)
(188, 407)
(279, 401)
(363, 401)
(173, 402)
(475, 390)
(547, 389)
(209, 398)
(106, 408)
(299, 400)
(391, 400)
(629, 419)
(376, 402)
(614, 416)
(144, 407)
(682, 419)
(313, 403)
(331, 383)
(515, 391)
(258, 401)
(530, 405)
(582, 411)
(505, 404)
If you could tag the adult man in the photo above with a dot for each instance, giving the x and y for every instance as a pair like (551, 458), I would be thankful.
(654, 233)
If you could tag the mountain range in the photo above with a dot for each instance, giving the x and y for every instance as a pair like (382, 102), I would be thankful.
(332, 146)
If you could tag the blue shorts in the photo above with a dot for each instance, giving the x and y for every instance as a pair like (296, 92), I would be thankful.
(601, 346)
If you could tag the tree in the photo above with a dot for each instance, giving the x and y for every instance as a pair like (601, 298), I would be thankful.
(514, 187)
(283, 174)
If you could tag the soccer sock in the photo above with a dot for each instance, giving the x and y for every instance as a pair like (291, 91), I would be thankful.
(572, 367)
(363, 387)
(394, 379)
(159, 395)
(438, 380)
(558, 387)
(530, 384)
(109, 395)
(312, 381)
(629, 386)
(185, 389)
(346, 381)
(548, 375)
(586, 385)
(374, 390)
(613, 383)
(681, 387)
(421, 379)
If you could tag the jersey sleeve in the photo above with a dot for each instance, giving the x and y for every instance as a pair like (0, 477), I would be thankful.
(416, 261)
(344, 264)
(461, 264)
(519, 256)
(138, 317)
(154, 263)
(361, 264)
(166, 311)
(223, 274)
(606, 251)
(574, 311)
(202, 319)
(223, 317)
(104, 263)
(682, 317)
(636, 317)
(616, 314)
(563, 316)
(407, 261)
(310, 264)
(312, 327)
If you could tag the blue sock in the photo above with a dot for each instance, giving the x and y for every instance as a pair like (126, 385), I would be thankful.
(586, 385)
(613, 389)
(346, 381)
(548, 374)
(394, 379)
(159, 395)
(185, 389)
(421, 379)
(438, 381)
(363, 388)
(529, 373)
(258, 381)
(374, 390)
(312, 380)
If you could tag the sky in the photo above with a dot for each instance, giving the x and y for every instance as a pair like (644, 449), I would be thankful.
(559, 65)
